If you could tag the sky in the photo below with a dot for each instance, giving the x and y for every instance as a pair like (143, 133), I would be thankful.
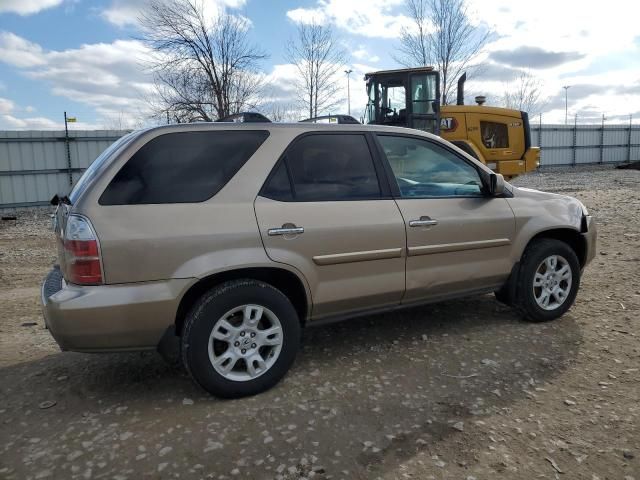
(85, 57)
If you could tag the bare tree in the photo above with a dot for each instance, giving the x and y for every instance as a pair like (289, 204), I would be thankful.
(442, 36)
(414, 49)
(525, 94)
(204, 66)
(318, 60)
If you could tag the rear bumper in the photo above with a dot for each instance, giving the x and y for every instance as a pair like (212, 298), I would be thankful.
(109, 317)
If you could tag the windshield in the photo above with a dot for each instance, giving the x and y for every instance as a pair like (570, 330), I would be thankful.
(97, 166)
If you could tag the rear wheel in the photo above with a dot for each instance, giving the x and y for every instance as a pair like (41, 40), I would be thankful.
(240, 338)
(548, 280)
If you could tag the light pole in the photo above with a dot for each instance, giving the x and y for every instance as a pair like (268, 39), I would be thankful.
(348, 72)
(566, 87)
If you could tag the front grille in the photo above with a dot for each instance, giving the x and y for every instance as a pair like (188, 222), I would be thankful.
(53, 283)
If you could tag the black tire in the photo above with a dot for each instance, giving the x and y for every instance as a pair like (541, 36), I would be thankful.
(212, 306)
(534, 255)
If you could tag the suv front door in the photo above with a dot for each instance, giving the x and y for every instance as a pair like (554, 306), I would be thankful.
(458, 239)
(324, 211)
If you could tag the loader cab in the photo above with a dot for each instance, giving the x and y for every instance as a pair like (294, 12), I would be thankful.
(404, 98)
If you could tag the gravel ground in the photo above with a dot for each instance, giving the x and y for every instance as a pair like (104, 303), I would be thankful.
(458, 390)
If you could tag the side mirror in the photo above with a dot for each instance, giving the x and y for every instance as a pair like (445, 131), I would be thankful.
(435, 105)
(496, 184)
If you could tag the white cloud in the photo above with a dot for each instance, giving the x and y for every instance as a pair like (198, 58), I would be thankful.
(559, 26)
(10, 122)
(361, 53)
(6, 106)
(126, 12)
(563, 43)
(109, 77)
(27, 7)
(19, 52)
(370, 18)
(123, 13)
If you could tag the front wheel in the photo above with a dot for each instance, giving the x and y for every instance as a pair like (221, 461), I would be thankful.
(240, 338)
(548, 280)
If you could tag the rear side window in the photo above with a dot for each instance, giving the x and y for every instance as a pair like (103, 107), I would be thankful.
(326, 167)
(278, 187)
(182, 167)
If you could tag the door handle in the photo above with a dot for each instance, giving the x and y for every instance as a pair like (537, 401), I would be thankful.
(285, 230)
(423, 222)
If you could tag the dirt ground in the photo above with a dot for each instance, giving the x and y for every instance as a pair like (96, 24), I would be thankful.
(457, 390)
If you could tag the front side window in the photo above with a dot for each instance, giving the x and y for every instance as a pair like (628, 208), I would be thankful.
(326, 167)
(426, 170)
(182, 167)
(494, 135)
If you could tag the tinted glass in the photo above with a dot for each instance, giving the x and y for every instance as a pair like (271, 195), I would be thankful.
(423, 169)
(182, 167)
(278, 187)
(332, 167)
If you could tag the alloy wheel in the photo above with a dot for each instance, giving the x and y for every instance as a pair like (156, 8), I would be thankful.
(245, 342)
(552, 282)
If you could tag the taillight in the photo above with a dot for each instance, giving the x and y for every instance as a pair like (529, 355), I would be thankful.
(82, 254)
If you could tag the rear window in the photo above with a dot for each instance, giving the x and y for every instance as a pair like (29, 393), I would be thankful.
(184, 167)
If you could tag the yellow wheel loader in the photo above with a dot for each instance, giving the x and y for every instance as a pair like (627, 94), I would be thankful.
(499, 137)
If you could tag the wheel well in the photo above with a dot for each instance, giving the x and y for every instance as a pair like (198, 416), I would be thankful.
(570, 237)
(285, 281)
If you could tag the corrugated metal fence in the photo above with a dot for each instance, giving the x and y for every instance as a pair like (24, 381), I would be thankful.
(35, 165)
(586, 144)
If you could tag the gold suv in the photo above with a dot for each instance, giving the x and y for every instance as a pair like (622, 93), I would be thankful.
(227, 239)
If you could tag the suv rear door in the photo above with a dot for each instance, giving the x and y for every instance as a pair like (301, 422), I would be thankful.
(458, 239)
(326, 210)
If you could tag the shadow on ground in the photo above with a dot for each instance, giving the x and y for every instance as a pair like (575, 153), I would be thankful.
(363, 396)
